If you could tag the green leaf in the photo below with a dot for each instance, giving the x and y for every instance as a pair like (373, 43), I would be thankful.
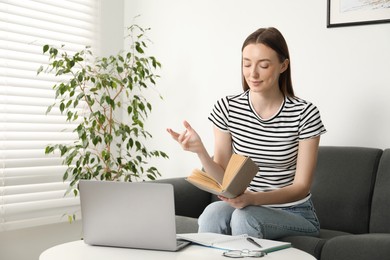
(108, 99)
(108, 138)
(40, 69)
(138, 145)
(129, 110)
(114, 85)
(164, 155)
(45, 48)
(95, 141)
(65, 176)
(138, 47)
(69, 101)
(151, 177)
(49, 109)
(49, 149)
(53, 52)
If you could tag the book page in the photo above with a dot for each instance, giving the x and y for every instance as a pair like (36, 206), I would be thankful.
(228, 242)
(267, 245)
(239, 173)
(204, 179)
(208, 239)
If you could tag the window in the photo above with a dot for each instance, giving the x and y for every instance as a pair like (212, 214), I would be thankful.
(31, 186)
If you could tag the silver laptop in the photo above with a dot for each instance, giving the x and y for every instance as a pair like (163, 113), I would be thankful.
(126, 214)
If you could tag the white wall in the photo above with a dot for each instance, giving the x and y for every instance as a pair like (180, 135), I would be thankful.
(344, 71)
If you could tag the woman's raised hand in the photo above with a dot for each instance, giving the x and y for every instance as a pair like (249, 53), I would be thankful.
(188, 139)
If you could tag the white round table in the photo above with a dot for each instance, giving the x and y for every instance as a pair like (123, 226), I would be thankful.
(78, 250)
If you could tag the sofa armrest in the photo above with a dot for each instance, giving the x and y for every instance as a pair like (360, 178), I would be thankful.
(189, 200)
(358, 247)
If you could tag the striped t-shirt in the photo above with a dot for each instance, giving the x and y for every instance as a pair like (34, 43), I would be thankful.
(272, 143)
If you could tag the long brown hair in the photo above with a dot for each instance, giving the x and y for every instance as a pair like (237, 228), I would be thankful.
(272, 38)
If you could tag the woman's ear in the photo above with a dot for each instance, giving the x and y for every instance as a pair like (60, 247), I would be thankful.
(284, 65)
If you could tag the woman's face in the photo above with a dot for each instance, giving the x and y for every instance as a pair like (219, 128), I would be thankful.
(261, 67)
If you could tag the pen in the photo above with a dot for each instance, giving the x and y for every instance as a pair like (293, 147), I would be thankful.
(253, 242)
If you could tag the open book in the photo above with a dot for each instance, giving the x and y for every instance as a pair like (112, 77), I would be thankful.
(238, 174)
(227, 242)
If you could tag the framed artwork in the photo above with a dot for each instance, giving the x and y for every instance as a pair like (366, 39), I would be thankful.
(357, 12)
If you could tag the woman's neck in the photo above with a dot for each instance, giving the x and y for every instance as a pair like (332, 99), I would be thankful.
(266, 105)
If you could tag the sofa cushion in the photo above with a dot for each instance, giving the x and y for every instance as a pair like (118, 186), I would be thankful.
(186, 225)
(189, 200)
(343, 186)
(328, 234)
(311, 245)
(357, 247)
(380, 209)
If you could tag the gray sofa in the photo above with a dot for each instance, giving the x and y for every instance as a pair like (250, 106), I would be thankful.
(351, 194)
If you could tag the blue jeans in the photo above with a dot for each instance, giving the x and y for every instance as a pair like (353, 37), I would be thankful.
(259, 221)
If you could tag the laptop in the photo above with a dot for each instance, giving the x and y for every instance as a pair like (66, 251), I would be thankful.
(129, 214)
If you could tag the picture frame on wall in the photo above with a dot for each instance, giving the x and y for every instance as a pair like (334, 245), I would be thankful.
(357, 12)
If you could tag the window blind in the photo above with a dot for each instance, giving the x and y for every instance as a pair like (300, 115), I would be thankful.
(31, 188)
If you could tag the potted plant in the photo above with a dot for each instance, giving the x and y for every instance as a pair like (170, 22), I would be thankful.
(100, 94)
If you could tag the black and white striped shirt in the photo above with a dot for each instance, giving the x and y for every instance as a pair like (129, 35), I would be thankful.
(272, 143)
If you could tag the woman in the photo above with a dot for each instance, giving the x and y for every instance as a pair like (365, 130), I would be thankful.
(278, 131)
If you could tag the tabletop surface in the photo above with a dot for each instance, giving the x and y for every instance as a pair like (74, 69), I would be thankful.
(78, 250)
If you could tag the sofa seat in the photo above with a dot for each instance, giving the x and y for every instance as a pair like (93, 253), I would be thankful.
(186, 224)
(364, 246)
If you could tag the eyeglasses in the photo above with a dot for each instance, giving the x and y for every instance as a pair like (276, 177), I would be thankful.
(244, 253)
